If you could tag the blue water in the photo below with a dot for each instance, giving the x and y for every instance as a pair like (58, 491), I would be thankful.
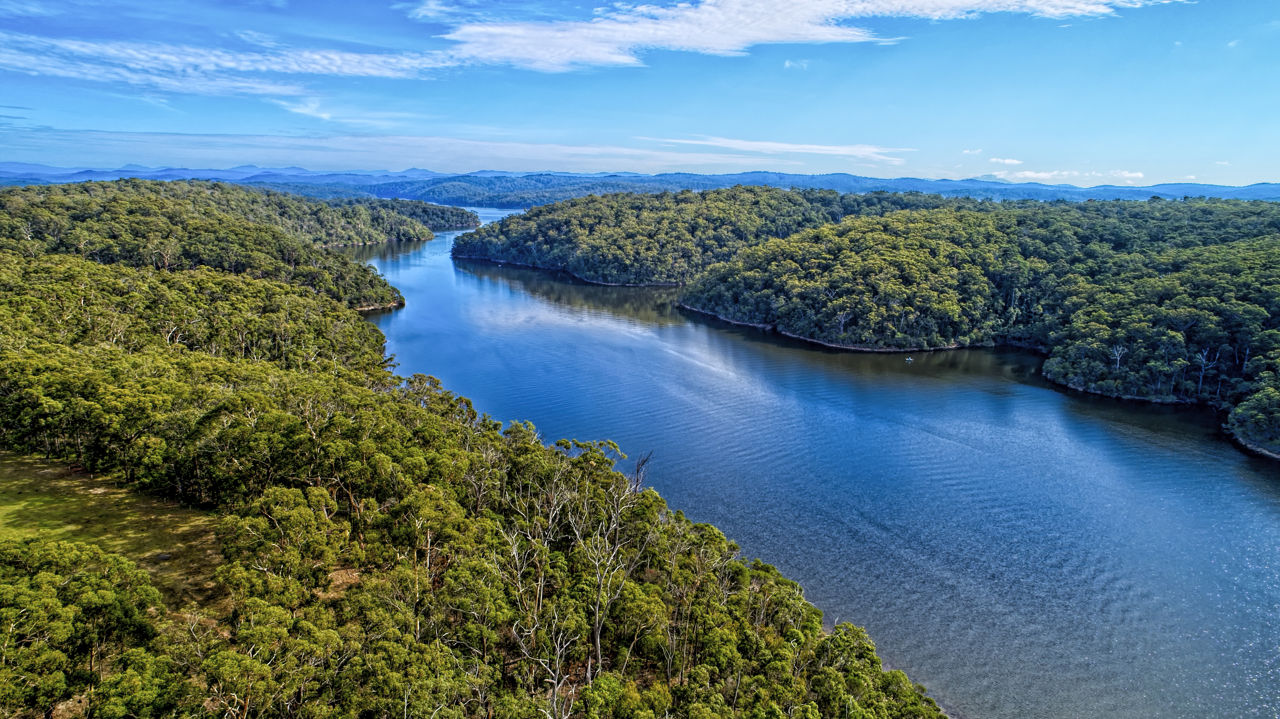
(1022, 551)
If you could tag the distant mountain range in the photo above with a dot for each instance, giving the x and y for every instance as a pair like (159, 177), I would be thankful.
(494, 188)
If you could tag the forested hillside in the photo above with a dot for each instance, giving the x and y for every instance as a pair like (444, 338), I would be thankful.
(1158, 300)
(434, 217)
(667, 238)
(184, 225)
(387, 551)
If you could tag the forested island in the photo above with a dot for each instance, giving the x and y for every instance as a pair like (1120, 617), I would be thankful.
(1164, 301)
(385, 550)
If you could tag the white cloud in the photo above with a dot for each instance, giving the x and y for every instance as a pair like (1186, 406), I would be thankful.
(872, 153)
(1128, 176)
(484, 32)
(310, 108)
(1233, 43)
(971, 152)
(83, 68)
(25, 8)
(713, 27)
(357, 151)
(1005, 161)
(795, 64)
(261, 39)
(619, 36)
(361, 117)
(1189, 177)
(184, 68)
(1224, 163)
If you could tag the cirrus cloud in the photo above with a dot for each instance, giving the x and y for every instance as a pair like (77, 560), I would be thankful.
(1128, 176)
(870, 153)
(620, 36)
(614, 36)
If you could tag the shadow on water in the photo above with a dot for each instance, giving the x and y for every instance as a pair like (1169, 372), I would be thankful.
(652, 305)
(383, 252)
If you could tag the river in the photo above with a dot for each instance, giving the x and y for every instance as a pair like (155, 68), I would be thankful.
(1022, 551)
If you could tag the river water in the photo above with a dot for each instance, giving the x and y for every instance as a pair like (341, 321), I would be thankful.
(1021, 551)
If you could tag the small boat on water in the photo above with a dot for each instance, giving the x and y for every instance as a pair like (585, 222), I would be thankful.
(910, 359)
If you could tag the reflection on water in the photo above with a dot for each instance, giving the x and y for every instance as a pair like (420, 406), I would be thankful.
(654, 305)
(1022, 551)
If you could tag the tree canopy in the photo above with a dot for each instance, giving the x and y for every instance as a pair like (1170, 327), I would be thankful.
(1169, 301)
(388, 551)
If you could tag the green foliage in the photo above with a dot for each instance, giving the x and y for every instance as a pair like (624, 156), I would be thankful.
(69, 300)
(1158, 300)
(434, 217)
(387, 552)
(79, 621)
(666, 238)
(184, 225)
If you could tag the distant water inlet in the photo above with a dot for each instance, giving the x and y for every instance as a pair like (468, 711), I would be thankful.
(1021, 551)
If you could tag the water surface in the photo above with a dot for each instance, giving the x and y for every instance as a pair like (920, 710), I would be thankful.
(1023, 552)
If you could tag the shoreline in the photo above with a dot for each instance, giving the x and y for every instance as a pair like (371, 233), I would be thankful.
(391, 241)
(378, 308)
(580, 278)
(1042, 351)
(1250, 447)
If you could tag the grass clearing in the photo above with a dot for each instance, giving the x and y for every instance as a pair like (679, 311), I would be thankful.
(175, 544)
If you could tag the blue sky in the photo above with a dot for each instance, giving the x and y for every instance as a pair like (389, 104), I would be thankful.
(1077, 91)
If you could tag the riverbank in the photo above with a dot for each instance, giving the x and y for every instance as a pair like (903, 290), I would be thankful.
(1248, 446)
(380, 308)
(810, 340)
(774, 329)
(567, 273)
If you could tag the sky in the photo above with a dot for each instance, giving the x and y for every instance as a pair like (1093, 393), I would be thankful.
(1085, 92)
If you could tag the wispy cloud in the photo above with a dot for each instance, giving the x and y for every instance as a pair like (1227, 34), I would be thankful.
(795, 64)
(261, 39)
(501, 32)
(1005, 161)
(310, 108)
(452, 11)
(185, 68)
(358, 117)
(26, 8)
(620, 36)
(971, 152)
(871, 153)
(359, 151)
(1128, 176)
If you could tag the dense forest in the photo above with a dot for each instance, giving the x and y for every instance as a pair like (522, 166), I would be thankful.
(1167, 301)
(387, 550)
(647, 239)
(435, 217)
(184, 225)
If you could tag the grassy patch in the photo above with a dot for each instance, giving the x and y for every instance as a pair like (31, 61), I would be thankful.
(175, 544)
